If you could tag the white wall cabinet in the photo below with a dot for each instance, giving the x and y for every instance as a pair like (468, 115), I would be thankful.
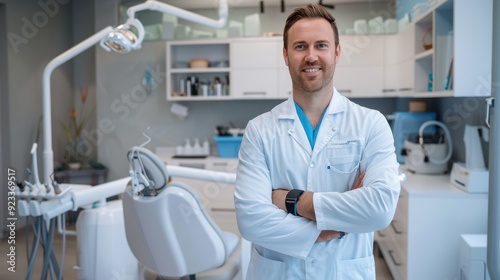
(423, 240)
(284, 80)
(399, 63)
(360, 70)
(254, 71)
(452, 29)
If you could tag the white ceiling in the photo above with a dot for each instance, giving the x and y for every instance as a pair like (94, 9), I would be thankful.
(202, 4)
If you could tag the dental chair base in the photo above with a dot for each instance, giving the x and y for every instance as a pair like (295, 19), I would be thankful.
(103, 252)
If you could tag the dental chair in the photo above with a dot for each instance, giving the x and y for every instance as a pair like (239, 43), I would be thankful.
(168, 229)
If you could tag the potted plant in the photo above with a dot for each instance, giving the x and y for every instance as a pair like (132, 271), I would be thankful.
(76, 150)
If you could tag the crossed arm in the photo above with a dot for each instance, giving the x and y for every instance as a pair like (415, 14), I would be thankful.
(305, 207)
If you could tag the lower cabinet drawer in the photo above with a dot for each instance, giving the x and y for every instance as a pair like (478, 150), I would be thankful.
(392, 258)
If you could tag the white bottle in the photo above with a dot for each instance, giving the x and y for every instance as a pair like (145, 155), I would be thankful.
(206, 147)
(188, 149)
(179, 150)
(197, 150)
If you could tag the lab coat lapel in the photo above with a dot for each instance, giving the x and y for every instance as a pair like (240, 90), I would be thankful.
(295, 129)
(328, 127)
(326, 132)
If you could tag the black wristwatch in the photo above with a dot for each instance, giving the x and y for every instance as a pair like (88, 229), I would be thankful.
(292, 197)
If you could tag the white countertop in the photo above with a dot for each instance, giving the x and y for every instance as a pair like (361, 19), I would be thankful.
(429, 184)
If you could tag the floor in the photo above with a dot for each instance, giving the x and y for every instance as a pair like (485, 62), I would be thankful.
(70, 259)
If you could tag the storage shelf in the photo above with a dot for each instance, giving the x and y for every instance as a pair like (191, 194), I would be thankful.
(431, 94)
(453, 36)
(214, 50)
(425, 17)
(425, 54)
(199, 98)
(198, 70)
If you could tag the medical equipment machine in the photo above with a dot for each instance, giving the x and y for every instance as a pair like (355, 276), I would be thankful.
(472, 176)
(46, 200)
(405, 123)
(429, 154)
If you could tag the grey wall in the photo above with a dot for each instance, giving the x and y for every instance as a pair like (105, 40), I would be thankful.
(35, 35)
(4, 112)
(456, 113)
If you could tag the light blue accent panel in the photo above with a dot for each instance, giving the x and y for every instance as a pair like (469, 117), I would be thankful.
(406, 6)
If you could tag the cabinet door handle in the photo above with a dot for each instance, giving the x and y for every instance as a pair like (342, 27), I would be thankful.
(254, 93)
(344, 90)
(396, 228)
(193, 165)
(393, 258)
(406, 89)
(386, 90)
(220, 163)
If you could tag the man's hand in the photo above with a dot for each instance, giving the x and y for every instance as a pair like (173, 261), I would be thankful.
(359, 181)
(326, 235)
(279, 197)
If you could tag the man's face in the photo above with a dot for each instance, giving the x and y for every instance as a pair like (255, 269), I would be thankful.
(311, 56)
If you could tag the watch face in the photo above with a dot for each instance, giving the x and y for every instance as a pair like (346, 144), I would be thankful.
(291, 201)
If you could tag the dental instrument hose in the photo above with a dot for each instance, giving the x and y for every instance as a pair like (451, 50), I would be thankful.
(44, 236)
(34, 248)
(47, 261)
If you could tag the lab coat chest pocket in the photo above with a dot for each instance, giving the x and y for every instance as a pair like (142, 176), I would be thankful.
(342, 163)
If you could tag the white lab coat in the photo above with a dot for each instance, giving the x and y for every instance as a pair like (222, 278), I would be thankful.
(275, 153)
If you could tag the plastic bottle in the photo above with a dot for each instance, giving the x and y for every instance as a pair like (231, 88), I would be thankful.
(197, 150)
(188, 149)
(206, 147)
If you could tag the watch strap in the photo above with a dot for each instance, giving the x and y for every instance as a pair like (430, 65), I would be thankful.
(292, 197)
(342, 234)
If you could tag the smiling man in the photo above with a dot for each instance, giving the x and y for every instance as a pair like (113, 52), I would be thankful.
(317, 174)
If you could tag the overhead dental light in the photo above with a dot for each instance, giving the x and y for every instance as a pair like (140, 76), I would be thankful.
(122, 39)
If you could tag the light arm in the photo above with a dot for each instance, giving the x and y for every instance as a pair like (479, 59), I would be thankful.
(48, 154)
(168, 9)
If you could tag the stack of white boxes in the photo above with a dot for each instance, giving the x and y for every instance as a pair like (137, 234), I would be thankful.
(473, 257)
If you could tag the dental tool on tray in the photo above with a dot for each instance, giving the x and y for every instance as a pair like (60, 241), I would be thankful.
(33, 194)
